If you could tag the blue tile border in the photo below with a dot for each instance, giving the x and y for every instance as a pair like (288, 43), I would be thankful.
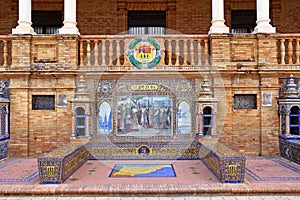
(258, 178)
(27, 179)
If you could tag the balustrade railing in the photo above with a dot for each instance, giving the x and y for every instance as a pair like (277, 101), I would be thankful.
(179, 52)
(5, 51)
(288, 49)
(109, 52)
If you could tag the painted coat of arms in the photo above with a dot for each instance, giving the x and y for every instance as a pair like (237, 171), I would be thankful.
(144, 52)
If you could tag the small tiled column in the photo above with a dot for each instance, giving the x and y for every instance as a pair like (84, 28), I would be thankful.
(69, 18)
(263, 20)
(24, 22)
(287, 123)
(218, 21)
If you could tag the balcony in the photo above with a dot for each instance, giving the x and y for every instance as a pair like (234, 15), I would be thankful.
(178, 52)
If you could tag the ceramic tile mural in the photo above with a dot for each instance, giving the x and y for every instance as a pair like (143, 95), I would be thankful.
(144, 116)
(145, 108)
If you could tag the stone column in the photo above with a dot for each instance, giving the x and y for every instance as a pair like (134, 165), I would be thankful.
(263, 20)
(69, 18)
(280, 122)
(287, 123)
(217, 23)
(24, 22)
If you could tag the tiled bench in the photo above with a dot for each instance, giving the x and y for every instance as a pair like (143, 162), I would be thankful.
(290, 149)
(163, 149)
(225, 163)
(58, 165)
(4, 148)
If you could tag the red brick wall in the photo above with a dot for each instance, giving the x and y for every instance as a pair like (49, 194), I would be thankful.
(97, 17)
(49, 129)
(288, 21)
(8, 16)
(34, 132)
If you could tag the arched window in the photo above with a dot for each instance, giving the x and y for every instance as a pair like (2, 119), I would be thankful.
(294, 120)
(207, 121)
(105, 119)
(184, 118)
(80, 125)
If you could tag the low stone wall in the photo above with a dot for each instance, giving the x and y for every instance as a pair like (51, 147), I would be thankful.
(225, 163)
(4, 149)
(58, 165)
(290, 149)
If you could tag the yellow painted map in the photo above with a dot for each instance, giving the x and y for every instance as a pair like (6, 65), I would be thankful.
(143, 170)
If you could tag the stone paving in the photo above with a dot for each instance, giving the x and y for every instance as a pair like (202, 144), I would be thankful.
(270, 197)
(264, 177)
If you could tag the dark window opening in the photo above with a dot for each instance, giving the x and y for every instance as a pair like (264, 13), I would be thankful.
(243, 21)
(80, 121)
(43, 102)
(46, 22)
(146, 22)
(207, 121)
(245, 101)
(294, 121)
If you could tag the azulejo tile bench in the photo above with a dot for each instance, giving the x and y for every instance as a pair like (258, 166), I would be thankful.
(162, 148)
(4, 148)
(290, 149)
(225, 163)
(56, 166)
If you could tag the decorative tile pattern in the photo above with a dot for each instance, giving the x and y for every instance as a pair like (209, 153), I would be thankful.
(58, 165)
(137, 92)
(154, 149)
(290, 149)
(226, 164)
(18, 171)
(271, 170)
(3, 149)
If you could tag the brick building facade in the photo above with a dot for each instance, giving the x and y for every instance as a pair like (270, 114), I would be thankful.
(203, 42)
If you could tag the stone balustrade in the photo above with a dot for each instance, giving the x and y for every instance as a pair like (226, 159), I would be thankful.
(5, 51)
(288, 49)
(110, 52)
(179, 52)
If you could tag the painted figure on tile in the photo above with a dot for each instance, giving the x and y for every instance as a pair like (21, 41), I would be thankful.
(128, 123)
(147, 115)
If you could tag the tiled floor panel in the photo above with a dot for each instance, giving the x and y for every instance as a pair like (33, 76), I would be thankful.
(264, 176)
